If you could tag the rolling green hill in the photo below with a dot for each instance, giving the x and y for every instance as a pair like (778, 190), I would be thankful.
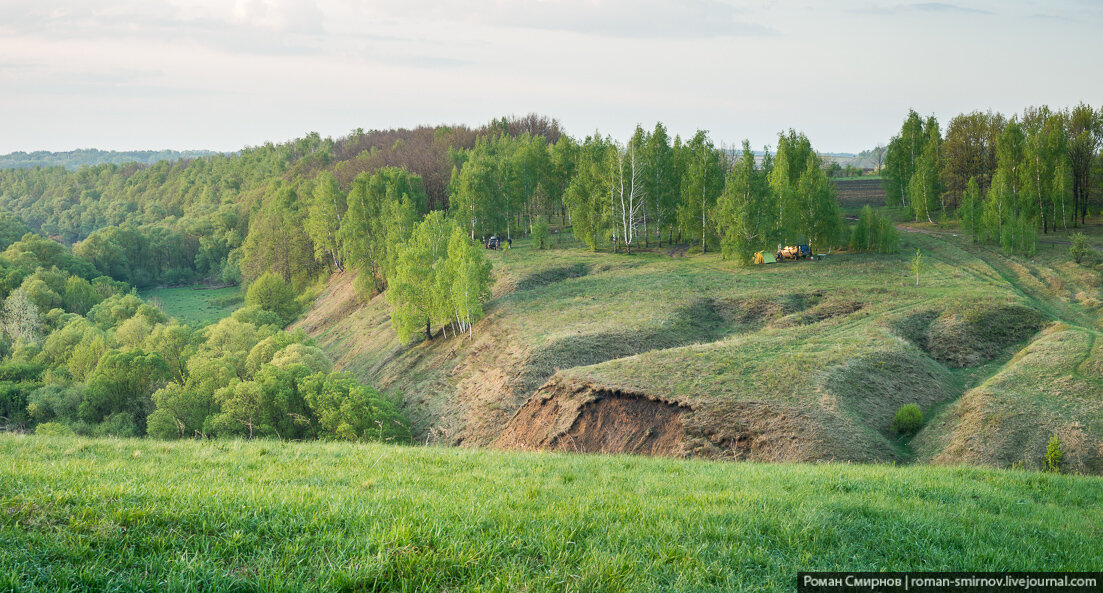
(109, 514)
(664, 352)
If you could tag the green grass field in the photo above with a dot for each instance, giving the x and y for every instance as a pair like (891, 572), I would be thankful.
(128, 515)
(196, 305)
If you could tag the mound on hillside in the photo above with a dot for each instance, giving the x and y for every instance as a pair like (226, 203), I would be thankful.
(829, 411)
(970, 334)
(1052, 387)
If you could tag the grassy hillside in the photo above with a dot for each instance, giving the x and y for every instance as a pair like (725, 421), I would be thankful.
(84, 514)
(787, 362)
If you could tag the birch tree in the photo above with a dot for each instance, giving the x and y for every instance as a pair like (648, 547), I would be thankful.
(323, 221)
(744, 213)
(662, 181)
(469, 281)
(702, 183)
(440, 276)
(381, 209)
(627, 191)
(901, 160)
(790, 163)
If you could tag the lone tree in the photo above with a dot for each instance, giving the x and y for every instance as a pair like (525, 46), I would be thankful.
(917, 265)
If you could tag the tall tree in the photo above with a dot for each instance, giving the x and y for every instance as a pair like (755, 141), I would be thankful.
(440, 276)
(902, 158)
(790, 164)
(819, 220)
(480, 203)
(925, 187)
(1044, 194)
(380, 211)
(969, 152)
(1084, 127)
(1003, 202)
(628, 189)
(587, 196)
(702, 183)
(467, 282)
(276, 241)
(323, 221)
(413, 288)
(971, 211)
(662, 181)
(744, 212)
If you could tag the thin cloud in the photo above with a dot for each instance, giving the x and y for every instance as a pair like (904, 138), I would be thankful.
(286, 27)
(944, 7)
(657, 19)
(630, 18)
(426, 62)
(928, 7)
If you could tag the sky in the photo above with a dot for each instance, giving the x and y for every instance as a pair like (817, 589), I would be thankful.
(224, 74)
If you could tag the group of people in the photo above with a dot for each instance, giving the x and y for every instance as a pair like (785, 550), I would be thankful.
(495, 243)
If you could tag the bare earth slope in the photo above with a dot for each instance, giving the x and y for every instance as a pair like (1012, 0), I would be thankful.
(802, 361)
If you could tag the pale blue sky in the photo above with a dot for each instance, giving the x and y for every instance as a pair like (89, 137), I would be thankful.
(220, 74)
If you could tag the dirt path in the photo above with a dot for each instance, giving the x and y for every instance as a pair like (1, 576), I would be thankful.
(679, 251)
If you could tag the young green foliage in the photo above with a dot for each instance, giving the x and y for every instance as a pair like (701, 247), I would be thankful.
(440, 275)
(540, 232)
(271, 293)
(745, 211)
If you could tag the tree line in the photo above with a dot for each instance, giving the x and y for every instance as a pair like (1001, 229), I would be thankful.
(230, 218)
(627, 194)
(1004, 177)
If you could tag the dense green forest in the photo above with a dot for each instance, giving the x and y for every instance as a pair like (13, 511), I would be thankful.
(83, 353)
(1005, 177)
(407, 211)
(86, 157)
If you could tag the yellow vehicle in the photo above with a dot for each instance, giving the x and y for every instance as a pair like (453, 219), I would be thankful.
(793, 252)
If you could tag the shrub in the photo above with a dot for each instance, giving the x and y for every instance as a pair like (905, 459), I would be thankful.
(908, 419)
(347, 410)
(1080, 248)
(540, 233)
(53, 429)
(258, 317)
(119, 424)
(271, 293)
(1054, 455)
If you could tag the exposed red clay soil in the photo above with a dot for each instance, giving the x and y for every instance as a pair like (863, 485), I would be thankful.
(571, 417)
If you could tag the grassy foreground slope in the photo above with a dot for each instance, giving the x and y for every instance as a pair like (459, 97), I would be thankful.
(246, 516)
